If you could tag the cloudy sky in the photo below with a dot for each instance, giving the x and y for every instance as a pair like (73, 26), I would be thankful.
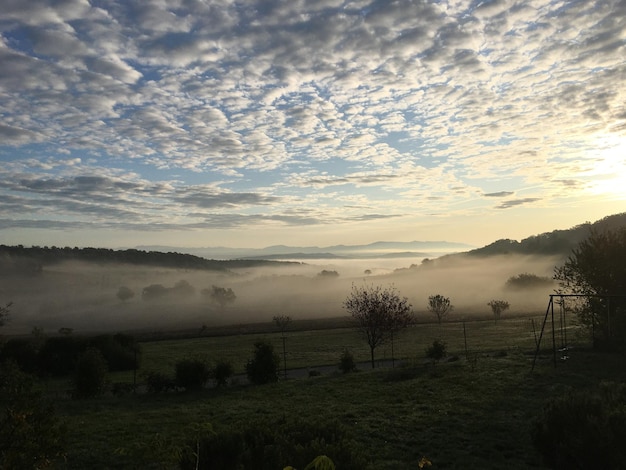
(308, 122)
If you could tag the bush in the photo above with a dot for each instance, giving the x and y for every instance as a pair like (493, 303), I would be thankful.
(582, 430)
(192, 373)
(437, 351)
(59, 355)
(346, 362)
(157, 382)
(528, 281)
(266, 445)
(31, 436)
(120, 351)
(222, 371)
(22, 351)
(263, 368)
(90, 375)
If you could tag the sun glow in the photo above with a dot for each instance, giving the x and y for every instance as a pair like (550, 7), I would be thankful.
(609, 167)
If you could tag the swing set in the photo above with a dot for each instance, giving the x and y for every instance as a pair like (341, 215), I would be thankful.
(562, 327)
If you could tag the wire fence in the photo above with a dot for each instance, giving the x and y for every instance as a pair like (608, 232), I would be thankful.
(304, 351)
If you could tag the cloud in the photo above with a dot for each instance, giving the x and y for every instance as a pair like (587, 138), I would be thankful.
(389, 103)
(517, 202)
(499, 194)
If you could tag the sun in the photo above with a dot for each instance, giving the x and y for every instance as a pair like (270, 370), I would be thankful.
(607, 176)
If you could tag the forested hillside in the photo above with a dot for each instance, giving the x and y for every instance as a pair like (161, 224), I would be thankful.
(31, 260)
(557, 242)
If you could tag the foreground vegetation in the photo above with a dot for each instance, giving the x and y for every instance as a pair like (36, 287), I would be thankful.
(457, 414)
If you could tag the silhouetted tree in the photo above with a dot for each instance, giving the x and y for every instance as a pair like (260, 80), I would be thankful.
(183, 289)
(597, 268)
(440, 306)
(220, 295)
(263, 367)
(527, 281)
(124, 293)
(153, 292)
(436, 351)
(346, 361)
(90, 375)
(327, 274)
(497, 307)
(192, 373)
(378, 313)
(222, 371)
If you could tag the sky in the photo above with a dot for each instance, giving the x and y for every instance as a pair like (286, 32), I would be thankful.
(319, 122)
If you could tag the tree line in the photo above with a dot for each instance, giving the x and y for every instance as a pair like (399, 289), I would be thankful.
(31, 260)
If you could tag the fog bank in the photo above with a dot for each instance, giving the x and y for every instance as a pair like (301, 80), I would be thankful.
(84, 296)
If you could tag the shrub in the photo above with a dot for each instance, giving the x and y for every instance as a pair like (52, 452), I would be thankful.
(272, 445)
(263, 367)
(156, 382)
(346, 362)
(31, 436)
(90, 375)
(222, 371)
(528, 281)
(22, 351)
(584, 429)
(59, 355)
(120, 351)
(192, 373)
(436, 351)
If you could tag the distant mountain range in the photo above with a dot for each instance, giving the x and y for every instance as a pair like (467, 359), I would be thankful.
(31, 260)
(557, 242)
(282, 252)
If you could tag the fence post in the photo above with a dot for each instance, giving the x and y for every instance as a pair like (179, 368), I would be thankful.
(465, 341)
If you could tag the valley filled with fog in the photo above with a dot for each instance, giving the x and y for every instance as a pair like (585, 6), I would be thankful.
(84, 296)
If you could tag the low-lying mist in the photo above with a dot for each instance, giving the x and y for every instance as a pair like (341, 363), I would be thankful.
(84, 296)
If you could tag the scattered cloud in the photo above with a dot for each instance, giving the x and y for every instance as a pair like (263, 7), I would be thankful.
(174, 114)
(517, 202)
(500, 194)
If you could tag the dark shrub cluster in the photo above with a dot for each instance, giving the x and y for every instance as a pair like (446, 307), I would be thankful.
(58, 356)
(528, 281)
(90, 374)
(263, 367)
(266, 445)
(437, 351)
(346, 362)
(584, 429)
(157, 382)
(31, 435)
(192, 373)
(222, 371)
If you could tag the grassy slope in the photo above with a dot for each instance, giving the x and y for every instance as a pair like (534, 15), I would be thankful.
(456, 415)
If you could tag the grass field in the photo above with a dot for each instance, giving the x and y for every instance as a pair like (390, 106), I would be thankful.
(320, 347)
(460, 414)
(456, 414)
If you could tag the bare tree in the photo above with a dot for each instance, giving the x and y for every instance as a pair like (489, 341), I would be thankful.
(440, 306)
(497, 307)
(378, 313)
